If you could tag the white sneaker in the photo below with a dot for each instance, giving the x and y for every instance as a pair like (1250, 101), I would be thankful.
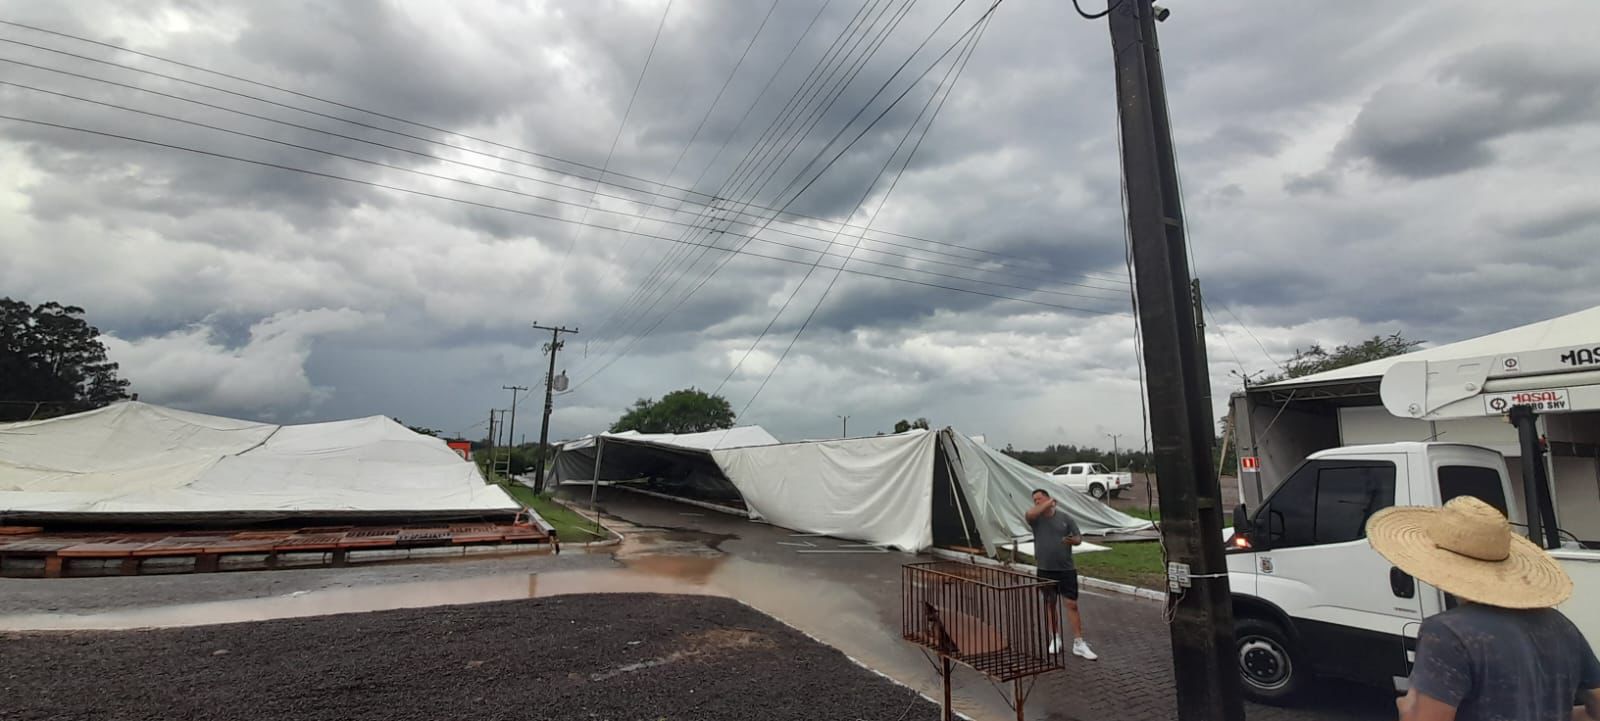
(1055, 645)
(1080, 647)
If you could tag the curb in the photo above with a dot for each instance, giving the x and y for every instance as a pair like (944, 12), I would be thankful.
(614, 540)
(1147, 594)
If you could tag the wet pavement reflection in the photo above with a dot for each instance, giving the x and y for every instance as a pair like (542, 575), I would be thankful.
(822, 602)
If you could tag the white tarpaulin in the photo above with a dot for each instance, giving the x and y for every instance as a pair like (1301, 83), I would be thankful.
(877, 490)
(737, 437)
(137, 459)
(999, 491)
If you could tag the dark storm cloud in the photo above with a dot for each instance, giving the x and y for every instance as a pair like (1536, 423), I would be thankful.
(1022, 161)
(1448, 126)
(1318, 182)
(1559, 222)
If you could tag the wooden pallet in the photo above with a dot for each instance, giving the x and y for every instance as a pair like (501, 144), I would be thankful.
(207, 548)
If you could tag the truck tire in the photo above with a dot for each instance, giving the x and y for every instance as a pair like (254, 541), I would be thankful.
(1270, 671)
(1097, 491)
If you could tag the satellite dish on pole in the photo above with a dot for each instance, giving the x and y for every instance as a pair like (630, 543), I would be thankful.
(559, 383)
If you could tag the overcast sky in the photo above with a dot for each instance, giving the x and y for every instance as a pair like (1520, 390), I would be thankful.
(1349, 169)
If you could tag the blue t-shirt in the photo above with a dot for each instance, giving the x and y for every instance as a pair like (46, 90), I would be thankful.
(1494, 664)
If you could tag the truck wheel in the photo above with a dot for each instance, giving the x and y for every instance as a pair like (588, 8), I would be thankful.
(1097, 491)
(1269, 668)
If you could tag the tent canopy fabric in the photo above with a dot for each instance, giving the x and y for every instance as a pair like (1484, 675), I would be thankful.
(736, 437)
(139, 461)
(1567, 330)
(880, 490)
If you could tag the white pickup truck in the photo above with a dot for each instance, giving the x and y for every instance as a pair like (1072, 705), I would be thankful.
(1093, 479)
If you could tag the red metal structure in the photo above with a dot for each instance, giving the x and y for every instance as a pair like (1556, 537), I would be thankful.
(993, 620)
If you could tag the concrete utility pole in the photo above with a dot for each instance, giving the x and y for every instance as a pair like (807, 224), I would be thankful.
(1116, 453)
(845, 433)
(552, 347)
(1180, 418)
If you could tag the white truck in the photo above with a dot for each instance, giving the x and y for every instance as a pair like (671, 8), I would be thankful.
(1093, 479)
(1310, 596)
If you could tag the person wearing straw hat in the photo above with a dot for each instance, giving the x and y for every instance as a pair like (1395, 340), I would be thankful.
(1505, 653)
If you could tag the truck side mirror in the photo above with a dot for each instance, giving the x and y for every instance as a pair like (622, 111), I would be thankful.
(1241, 519)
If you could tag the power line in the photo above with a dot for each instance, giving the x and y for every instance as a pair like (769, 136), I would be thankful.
(952, 76)
(1096, 16)
(440, 159)
(759, 158)
(812, 124)
(819, 173)
(673, 171)
(747, 176)
(437, 176)
(174, 78)
(606, 166)
(489, 206)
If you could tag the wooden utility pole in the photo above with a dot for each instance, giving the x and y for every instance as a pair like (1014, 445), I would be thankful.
(552, 347)
(1180, 417)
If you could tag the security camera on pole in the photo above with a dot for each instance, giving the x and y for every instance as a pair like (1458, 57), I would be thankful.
(550, 383)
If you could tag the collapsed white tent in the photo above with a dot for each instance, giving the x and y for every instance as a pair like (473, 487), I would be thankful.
(908, 491)
(136, 461)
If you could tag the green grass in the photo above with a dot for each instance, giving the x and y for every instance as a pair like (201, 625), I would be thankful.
(570, 526)
(1148, 514)
(1137, 563)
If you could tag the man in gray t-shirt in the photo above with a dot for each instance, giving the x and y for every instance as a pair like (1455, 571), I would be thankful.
(1500, 663)
(1054, 535)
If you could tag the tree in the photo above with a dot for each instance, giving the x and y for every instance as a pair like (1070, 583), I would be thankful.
(683, 411)
(52, 362)
(903, 425)
(424, 430)
(1317, 359)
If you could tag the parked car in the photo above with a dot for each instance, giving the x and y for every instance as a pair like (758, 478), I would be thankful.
(1093, 479)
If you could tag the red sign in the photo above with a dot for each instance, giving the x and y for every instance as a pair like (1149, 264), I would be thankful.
(462, 448)
(1249, 463)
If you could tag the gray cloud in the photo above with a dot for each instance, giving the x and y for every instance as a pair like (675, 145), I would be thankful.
(1447, 126)
(196, 265)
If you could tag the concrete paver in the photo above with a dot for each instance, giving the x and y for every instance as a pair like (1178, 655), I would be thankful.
(1132, 680)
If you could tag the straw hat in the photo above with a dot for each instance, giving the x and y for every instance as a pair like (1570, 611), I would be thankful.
(1467, 549)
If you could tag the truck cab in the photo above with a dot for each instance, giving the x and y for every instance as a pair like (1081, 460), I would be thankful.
(1310, 596)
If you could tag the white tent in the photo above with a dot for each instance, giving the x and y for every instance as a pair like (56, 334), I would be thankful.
(908, 491)
(135, 461)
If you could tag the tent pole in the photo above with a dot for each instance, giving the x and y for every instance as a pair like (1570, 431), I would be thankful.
(955, 494)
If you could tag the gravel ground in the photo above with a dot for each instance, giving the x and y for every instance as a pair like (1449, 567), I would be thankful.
(615, 656)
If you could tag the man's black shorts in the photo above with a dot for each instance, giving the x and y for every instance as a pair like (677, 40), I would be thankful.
(1065, 583)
